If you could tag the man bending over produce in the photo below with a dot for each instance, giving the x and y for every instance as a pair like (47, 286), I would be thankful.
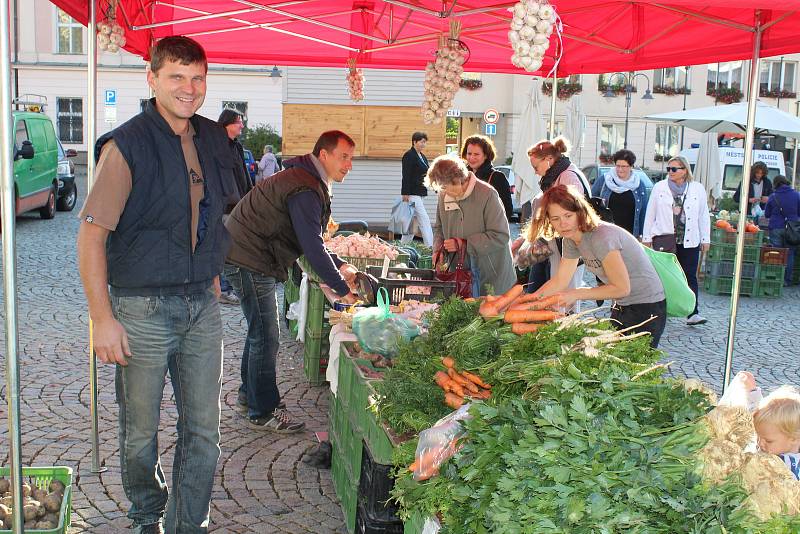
(281, 218)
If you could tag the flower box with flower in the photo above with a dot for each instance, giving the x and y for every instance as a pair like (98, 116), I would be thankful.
(669, 90)
(565, 90)
(728, 95)
(776, 93)
(470, 85)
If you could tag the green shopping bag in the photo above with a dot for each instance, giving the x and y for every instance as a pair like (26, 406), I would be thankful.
(680, 297)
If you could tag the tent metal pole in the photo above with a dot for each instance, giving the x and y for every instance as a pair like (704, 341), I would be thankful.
(10, 267)
(91, 101)
(552, 132)
(794, 154)
(752, 97)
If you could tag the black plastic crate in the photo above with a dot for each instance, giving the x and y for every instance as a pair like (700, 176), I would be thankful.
(374, 486)
(365, 524)
(412, 284)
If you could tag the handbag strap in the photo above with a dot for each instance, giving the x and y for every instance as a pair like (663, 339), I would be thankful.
(775, 197)
(462, 251)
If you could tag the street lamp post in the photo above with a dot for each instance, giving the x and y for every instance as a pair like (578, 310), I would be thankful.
(627, 85)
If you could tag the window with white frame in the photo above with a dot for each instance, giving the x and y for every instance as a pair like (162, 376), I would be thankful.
(69, 117)
(777, 77)
(671, 80)
(69, 34)
(241, 107)
(612, 139)
(559, 129)
(725, 75)
(667, 141)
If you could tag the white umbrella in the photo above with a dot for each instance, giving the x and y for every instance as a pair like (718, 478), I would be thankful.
(707, 170)
(531, 131)
(575, 125)
(733, 118)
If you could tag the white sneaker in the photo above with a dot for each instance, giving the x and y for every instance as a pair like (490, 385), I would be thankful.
(696, 319)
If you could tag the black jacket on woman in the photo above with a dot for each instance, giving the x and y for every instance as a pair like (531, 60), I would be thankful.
(498, 180)
(415, 167)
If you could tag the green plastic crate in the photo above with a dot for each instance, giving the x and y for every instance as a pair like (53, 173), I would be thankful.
(346, 489)
(770, 288)
(316, 323)
(718, 235)
(315, 358)
(345, 379)
(725, 268)
(723, 285)
(727, 252)
(771, 272)
(425, 262)
(41, 477)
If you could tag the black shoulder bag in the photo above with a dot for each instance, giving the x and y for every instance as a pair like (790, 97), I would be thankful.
(791, 234)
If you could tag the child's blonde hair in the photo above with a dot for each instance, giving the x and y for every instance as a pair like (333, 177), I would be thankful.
(780, 409)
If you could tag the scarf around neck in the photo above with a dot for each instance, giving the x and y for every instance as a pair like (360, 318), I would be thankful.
(552, 174)
(618, 185)
(677, 190)
(470, 186)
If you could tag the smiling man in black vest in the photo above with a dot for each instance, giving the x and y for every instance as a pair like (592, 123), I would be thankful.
(152, 231)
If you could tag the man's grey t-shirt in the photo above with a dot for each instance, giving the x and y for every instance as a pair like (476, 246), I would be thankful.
(646, 286)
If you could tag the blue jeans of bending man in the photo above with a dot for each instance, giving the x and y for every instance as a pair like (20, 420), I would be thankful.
(179, 336)
(259, 302)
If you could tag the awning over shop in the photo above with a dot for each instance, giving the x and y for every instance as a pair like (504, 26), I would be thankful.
(598, 35)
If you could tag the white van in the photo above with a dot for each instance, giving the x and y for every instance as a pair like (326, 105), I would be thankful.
(730, 163)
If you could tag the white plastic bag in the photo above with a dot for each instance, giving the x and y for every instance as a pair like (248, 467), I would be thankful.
(402, 216)
(303, 309)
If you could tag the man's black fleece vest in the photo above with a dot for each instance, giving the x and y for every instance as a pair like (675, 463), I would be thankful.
(150, 252)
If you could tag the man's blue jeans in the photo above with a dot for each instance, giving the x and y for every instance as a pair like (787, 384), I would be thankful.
(259, 303)
(181, 335)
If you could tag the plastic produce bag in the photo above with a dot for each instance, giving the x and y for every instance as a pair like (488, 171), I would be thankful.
(742, 392)
(402, 216)
(379, 330)
(439, 443)
(680, 297)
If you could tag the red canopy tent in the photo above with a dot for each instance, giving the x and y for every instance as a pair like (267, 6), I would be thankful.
(599, 35)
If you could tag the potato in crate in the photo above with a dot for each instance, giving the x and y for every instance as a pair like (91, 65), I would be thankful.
(48, 503)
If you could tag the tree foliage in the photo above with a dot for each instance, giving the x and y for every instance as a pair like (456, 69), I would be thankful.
(255, 137)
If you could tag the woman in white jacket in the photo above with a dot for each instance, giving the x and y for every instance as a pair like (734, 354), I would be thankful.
(677, 221)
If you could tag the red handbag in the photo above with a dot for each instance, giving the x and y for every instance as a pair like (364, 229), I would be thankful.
(461, 276)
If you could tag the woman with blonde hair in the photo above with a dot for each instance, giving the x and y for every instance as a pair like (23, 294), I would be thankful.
(611, 253)
(469, 214)
(677, 221)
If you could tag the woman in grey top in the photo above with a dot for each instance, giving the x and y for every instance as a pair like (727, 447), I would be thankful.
(470, 214)
(609, 252)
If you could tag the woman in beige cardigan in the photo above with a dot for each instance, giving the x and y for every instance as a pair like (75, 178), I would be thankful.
(470, 214)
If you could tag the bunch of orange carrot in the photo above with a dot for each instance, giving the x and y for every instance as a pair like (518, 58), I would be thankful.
(458, 385)
(525, 313)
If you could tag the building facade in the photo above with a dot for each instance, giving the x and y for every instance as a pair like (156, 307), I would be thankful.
(49, 59)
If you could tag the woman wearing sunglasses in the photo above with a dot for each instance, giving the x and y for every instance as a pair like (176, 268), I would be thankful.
(677, 221)
(609, 252)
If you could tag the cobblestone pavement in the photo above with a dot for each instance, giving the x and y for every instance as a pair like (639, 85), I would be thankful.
(261, 485)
